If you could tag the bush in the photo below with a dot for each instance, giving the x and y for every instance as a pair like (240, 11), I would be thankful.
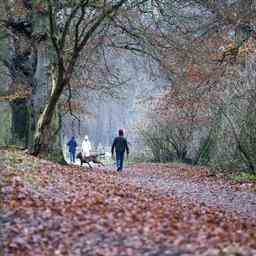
(167, 142)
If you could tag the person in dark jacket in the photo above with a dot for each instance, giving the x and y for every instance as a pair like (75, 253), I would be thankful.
(120, 145)
(72, 149)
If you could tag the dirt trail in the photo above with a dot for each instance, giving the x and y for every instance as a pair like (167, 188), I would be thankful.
(206, 192)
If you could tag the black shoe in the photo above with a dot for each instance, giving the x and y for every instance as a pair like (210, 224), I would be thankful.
(118, 169)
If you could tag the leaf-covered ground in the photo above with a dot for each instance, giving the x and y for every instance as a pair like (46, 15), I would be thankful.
(196, 184)
(48, 209)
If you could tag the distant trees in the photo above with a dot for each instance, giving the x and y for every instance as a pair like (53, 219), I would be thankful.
(204, 47)
(209, 96)
(235, 146)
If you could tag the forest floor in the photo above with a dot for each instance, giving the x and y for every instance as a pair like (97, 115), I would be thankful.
(148, 209)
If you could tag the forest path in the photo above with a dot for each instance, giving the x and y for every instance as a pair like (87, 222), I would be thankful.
(148, 210)
(194, 185)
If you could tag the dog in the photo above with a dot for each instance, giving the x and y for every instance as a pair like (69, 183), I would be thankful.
(88, 159)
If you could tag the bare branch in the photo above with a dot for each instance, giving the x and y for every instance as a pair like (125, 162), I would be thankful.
(71, 17)
(101, 18)
(69, 104)
(53, 30)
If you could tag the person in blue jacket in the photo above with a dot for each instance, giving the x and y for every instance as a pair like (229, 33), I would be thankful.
(72, 149)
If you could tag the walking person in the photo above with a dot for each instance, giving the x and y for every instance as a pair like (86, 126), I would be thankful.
(72, 149)
(120, 145)
(86, 146)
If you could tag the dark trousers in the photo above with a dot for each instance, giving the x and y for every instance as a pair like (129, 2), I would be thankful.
(72, 156)
(119, 160)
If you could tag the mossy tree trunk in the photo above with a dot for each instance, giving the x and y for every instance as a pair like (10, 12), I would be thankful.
(20, 122)
(43, 129)
(21, 62)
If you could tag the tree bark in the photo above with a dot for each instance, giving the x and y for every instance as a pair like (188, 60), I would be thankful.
(43, 129)
(22, 62)
(20, 123)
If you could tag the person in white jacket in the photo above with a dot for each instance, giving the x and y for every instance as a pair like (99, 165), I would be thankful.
(86, 146)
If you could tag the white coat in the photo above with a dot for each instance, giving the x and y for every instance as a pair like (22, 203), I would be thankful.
(86, 147)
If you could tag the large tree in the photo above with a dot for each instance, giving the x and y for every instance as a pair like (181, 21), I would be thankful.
(73, 26)
(22, 38)
(21, 63)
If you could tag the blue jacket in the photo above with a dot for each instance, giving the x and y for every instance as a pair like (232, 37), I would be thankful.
(72, 144)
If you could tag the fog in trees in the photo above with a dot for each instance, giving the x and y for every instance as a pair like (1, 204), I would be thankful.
(176, 75)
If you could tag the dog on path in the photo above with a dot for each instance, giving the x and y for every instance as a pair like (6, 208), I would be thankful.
(88, 159)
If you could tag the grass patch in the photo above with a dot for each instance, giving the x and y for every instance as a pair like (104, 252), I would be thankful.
(245, 177)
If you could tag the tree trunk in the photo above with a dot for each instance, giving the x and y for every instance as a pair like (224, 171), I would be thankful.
(22, 62)
(20, 123)
(43, 129)
(181, 153)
